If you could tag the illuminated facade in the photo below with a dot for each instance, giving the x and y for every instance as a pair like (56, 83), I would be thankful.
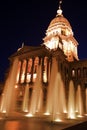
(60, 44)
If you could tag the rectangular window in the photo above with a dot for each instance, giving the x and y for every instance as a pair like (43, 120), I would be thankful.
(73, 73)
(78, 72)
(45, 70)
(23, 71)
(18, 72)
(29, 69)
(85, 72)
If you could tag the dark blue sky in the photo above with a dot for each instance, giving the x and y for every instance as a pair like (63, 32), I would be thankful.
(27, 22)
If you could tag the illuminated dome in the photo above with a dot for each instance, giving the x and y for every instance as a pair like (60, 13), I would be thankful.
(59, 22)
(59, 25)
(59, 34)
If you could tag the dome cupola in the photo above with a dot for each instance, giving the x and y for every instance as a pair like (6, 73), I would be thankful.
(59, 34)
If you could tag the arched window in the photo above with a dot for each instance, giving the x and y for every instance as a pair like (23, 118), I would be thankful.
(63, 32)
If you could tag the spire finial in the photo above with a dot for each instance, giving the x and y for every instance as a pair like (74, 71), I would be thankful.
(60, 2)
(59, 11)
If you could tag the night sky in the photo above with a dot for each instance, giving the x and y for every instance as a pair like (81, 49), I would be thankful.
(27, 22)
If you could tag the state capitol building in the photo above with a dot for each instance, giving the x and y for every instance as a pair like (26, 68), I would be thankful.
(38, 64)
